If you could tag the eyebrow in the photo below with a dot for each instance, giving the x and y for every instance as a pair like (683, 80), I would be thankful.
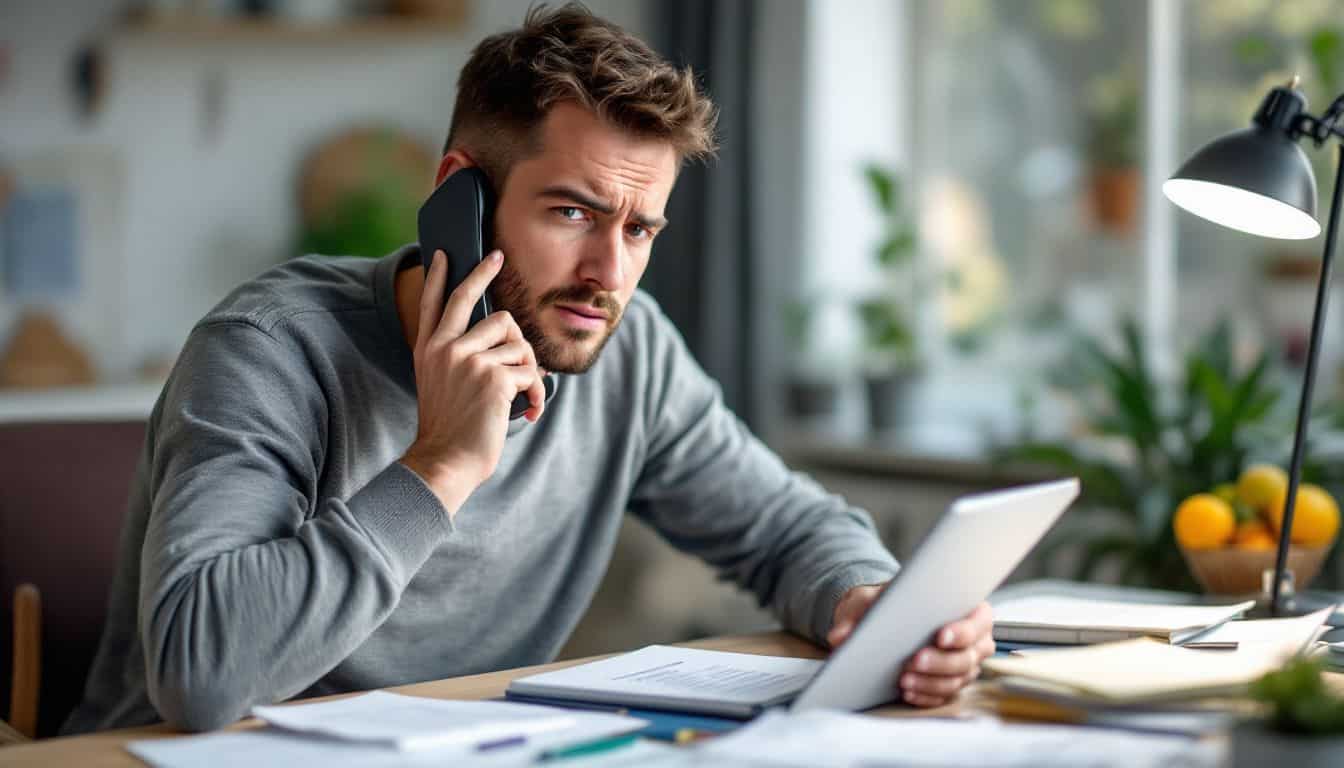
(588, 201)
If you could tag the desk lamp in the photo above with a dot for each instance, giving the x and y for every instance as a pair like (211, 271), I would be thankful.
(1258, 180)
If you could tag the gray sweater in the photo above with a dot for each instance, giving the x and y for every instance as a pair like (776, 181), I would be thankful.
(274, 548)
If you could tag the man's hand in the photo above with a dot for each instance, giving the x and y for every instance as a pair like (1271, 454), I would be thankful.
(466, 381)
(933, 675)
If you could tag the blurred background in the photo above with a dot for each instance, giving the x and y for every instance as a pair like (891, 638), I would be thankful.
(932, 257)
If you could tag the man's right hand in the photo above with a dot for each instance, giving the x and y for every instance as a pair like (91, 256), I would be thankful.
(466, 381)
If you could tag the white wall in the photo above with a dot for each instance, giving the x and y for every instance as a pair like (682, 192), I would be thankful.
(191, 216)
(856, 96)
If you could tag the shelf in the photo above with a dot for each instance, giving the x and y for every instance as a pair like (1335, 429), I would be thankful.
(123, 402)
(187, 30)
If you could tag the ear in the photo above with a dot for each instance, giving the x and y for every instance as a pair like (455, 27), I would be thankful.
(455, 160)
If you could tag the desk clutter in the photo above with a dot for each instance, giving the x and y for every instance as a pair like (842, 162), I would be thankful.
(1154, 699)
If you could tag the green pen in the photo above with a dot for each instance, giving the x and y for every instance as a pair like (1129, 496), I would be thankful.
(588, 747)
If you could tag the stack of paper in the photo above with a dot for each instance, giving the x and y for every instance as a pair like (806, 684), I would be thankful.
(1074, 620)
(820, 738)
(1144, 670)
(385, 729)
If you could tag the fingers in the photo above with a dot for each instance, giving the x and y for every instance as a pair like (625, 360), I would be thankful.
(851, 609)
(839, 633)
(965, 633)
(431, 297)
(929, 691)
(936, 662)
(496, 329)
(457, 310)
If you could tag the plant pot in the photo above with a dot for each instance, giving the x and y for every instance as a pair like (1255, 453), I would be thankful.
(1115, 199)
(1252, 744)
(810, 397)
(889, 394)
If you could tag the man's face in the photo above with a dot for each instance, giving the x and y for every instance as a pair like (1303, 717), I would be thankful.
(576, 221)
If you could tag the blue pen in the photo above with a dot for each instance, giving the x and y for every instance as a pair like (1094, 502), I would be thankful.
(508, 741)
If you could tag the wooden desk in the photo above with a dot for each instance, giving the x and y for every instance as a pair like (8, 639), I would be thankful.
(107, 748)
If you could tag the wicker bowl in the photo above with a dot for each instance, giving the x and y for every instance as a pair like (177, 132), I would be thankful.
(1238, 571)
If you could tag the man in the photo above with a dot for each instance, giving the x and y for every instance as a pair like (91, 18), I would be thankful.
(332, 496)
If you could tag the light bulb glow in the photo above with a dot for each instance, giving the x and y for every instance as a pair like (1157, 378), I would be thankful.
(1241, 210)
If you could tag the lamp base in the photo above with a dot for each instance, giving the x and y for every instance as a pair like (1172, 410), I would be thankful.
(1290, 602)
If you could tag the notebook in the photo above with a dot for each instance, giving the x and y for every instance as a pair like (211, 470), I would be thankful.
(722, 683)
(1080, 621)
(1146, 670)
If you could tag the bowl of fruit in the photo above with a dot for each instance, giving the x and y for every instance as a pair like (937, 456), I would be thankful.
(1230, 535)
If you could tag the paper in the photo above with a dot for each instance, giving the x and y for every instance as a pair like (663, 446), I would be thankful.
(1144, 669)
(667, 672)
(1294, 634)
(1074, 613)
(274, 748)
(821, 739)
(413, 722)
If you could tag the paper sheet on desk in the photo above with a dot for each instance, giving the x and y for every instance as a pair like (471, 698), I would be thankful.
(820, 739)
(414, 722)
(274, 748)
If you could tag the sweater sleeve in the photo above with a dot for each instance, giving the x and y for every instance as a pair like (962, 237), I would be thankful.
(714, 490)
(249, 590)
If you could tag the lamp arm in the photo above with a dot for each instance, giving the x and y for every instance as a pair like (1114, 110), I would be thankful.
(1320, 129)
(1308, 384)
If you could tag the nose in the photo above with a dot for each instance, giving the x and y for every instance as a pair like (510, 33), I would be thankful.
(603, 260)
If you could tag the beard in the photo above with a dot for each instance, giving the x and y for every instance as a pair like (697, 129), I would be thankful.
(574, 350)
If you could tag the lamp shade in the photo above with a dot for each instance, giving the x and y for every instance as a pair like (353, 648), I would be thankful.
(1255, 180)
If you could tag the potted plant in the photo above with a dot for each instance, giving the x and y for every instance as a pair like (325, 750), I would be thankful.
(811, 389)
(1113, 151)
(1147, 446)
(1304, 722)
(891, 355)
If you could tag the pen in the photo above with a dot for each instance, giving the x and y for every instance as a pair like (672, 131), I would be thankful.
(508, 741)
(588, 747)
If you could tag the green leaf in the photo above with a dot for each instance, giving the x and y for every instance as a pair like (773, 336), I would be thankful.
(884, 187)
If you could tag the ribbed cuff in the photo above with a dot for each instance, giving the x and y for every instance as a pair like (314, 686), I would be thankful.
(834, 588)
(403, 515)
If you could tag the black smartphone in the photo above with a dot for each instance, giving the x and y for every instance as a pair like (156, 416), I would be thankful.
(458, 219)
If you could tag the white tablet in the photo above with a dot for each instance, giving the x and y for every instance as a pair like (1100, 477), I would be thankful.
(969, 553)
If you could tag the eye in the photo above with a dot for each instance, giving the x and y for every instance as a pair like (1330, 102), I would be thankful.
(570, 213)
(639, 232)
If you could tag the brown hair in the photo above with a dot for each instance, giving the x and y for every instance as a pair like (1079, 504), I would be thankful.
(567, 54)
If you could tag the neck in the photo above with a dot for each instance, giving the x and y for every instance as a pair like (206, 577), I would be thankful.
(410, 283)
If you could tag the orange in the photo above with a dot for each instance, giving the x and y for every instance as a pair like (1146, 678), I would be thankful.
(1261, 486)
(1254, 535)
(1315, 516)
(1204, 521)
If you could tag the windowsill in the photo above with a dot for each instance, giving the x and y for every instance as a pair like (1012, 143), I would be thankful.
(112, 402)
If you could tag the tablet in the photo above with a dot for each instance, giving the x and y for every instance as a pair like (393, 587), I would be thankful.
(971, 550)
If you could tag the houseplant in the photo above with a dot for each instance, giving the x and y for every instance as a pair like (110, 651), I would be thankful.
(1113, 150)
(1148, 446)
(887, 316)
(1304, 722)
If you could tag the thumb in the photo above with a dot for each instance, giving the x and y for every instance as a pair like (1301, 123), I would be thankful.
(839, 632)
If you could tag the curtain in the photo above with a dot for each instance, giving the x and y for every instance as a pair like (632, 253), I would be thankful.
(701, 268)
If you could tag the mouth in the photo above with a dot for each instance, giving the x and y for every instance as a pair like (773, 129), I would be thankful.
(582, 316)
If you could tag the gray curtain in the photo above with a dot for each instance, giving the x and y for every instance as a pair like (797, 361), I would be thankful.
(701, 269)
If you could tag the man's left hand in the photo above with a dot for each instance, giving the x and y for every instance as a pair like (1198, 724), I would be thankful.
(933, 675)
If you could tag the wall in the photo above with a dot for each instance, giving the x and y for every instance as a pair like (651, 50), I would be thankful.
(181, 215)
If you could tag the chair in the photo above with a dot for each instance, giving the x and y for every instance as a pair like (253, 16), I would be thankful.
(63, 492)
(23, 696)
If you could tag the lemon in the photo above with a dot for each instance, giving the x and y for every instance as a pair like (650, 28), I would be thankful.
(1254, 535)
(1261, 486)
(1204, 521)
(1315, 516)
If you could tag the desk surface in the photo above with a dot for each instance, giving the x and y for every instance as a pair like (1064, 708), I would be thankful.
(107, 748)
